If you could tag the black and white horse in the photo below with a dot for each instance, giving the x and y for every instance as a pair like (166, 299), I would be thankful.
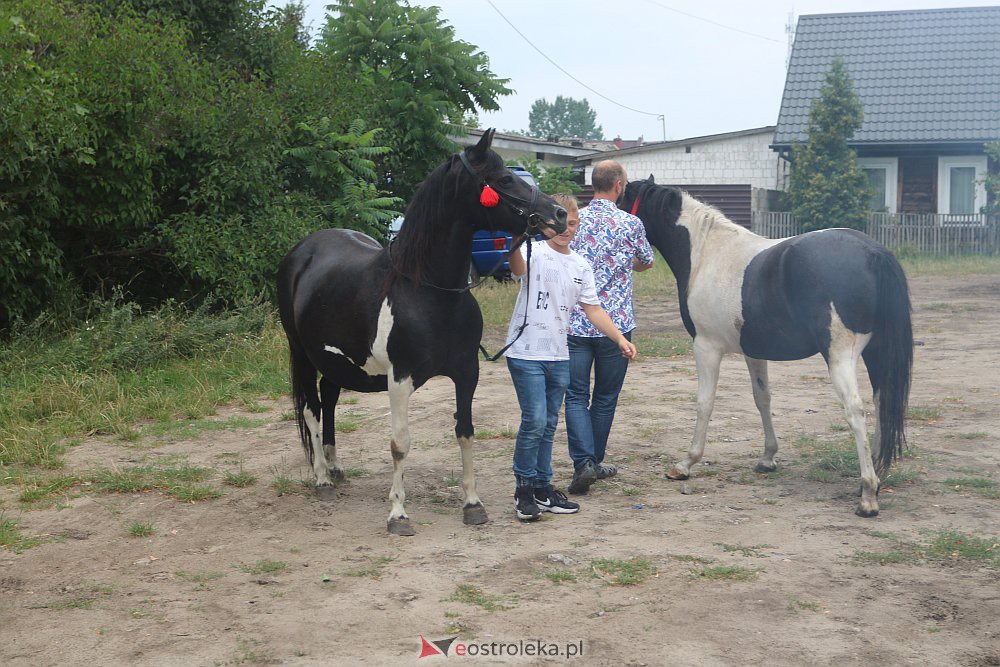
(836, 292)
(367, 318)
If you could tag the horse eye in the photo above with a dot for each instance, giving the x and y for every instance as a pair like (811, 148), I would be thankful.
(507, 180)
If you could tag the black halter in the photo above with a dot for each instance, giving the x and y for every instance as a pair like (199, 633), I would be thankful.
(523, 207)
(535, 222)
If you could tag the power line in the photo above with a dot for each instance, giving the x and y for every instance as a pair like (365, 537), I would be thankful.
(557, 66)
(721, 25)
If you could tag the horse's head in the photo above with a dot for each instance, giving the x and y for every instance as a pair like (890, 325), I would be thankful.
(500, 199)
(658, 206)
(631, 199)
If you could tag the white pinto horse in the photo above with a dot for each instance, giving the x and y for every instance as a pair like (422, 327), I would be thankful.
(834, 292)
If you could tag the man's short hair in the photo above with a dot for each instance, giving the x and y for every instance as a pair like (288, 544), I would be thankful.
(605, 173)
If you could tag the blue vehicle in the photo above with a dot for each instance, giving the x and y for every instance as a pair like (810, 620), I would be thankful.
(488, 248)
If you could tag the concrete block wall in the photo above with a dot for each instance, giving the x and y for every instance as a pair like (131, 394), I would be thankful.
(744, 160)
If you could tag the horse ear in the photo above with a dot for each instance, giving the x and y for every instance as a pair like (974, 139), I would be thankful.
(650, 180)
(485, 141)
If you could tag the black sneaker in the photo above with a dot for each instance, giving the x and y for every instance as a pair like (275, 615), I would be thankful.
(551, 500)
(524, 504)
(582, 479)
(605, 470)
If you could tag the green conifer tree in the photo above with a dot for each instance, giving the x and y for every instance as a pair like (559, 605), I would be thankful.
(828, 188)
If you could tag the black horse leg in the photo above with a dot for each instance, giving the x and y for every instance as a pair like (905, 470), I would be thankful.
(329, 392)
(465, 387)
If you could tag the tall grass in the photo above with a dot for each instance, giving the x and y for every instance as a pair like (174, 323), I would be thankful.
(122, 366)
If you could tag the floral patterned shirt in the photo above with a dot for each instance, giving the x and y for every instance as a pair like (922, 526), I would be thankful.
(609, 238)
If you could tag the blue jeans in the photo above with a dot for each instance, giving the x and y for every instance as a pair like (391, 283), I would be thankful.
(588, 420)
(540, 387)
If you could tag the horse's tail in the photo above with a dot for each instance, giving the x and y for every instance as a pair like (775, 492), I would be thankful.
(304, 394)
(890, 362)
(303, 373)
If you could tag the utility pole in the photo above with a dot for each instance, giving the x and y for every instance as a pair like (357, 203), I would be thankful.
(663, 119)
(790, 31)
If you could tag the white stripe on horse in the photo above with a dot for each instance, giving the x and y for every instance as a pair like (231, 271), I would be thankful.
(378, 362)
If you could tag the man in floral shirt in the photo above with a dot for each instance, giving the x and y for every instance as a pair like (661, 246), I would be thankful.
(614, 242)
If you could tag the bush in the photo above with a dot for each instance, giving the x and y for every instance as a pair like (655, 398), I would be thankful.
(118, 335)
(154, 150)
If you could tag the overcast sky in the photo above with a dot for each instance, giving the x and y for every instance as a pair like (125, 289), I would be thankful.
(709, 66)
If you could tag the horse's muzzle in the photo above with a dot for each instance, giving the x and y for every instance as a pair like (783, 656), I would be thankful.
(558, 225)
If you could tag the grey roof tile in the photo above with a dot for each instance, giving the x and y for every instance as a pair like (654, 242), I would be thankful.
(923, 75)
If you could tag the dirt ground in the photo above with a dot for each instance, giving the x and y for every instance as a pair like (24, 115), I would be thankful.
(340, 590)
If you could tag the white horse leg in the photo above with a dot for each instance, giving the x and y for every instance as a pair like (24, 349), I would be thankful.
(333, 463)
(845, 348)
(324, 485)
(399, 404)
(473, 511)
(707, 358)
(762, 399)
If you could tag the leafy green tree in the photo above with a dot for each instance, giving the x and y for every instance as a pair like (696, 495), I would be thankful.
(551, 180)
(44, 131)
(134, 157)
(828, 188)
(993, 180)
(410, 60)
(565, 117)
(338, 169)
(207, 21)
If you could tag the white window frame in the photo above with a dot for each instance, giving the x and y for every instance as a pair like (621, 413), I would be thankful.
(945, 165)
(891, 166)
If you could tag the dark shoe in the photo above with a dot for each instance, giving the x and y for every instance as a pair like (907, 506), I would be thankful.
(605, 470)
(524, 504)
(582, 479)
(551, 500)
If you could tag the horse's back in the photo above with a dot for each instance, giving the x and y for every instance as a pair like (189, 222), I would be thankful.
(329, 288)
(788, 289)
(328, 249)
(326, 257)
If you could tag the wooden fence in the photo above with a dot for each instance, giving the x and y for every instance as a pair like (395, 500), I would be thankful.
(931, 234)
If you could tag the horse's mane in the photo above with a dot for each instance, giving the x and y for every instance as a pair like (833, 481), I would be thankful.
(430, 215)
(410, 250)
(673, 203)
(705, 217)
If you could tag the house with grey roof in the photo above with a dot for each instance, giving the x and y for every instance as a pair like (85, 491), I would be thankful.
(929, 84)
(737, 172)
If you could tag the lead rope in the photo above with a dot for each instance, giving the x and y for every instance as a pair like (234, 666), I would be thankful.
(527, 291)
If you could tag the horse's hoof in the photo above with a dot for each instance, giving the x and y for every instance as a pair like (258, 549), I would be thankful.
(326, 492)
(401, 527)
(761, 467)
(337, 475)
(474, 515)
(866, 513)
(677, 474)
